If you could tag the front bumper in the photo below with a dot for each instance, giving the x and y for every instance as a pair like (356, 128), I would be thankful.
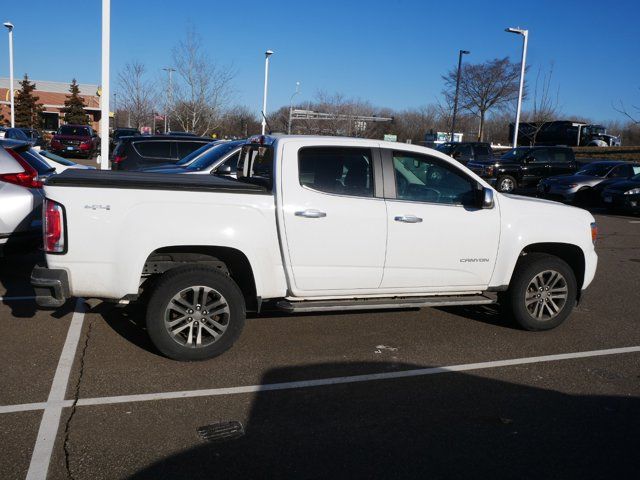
(557, 192)
(617, 201)
(51, 286)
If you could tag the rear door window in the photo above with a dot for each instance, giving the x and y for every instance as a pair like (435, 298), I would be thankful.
(154, 149)
(540, 155)
(560, 156)
(337, 170)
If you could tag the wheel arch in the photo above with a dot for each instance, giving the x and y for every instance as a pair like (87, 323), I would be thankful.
(230, 261)
(572, 254)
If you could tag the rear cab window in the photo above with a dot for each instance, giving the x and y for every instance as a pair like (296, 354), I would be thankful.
(337, 170)
(255, 164)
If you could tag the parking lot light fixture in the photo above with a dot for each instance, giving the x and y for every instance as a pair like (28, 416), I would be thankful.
(455, 98)
(525, 35)
(267, 54)
(9, 26)
(291, 106)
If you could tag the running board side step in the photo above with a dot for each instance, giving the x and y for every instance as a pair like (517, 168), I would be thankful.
(382, 303)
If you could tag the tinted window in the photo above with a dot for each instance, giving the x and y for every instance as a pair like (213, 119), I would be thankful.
(79, 131)
(343, 171)
(185, 148)
(232, 161)
(483, 150)
(560, 156)
(153, 149)
(621, 171)
(16, 134)
(540, 155)
(425, 179)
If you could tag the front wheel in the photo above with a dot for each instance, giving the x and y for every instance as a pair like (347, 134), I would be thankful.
(542, 292)
(506, 184)
(195, 313)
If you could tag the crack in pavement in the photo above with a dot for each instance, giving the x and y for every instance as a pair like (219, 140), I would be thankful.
(76, 396)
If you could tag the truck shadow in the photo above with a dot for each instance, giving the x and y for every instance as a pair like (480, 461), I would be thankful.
(451, 425)
(15, 271)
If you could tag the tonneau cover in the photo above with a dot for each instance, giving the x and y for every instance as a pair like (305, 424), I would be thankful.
(150, 181)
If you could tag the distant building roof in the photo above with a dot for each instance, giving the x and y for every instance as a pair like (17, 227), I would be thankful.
(53, 87)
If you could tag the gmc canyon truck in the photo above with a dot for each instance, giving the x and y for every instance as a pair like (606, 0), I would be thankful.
(311, 224)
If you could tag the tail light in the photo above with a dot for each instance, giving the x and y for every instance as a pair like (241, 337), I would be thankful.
(117, 159)
(53, 227)
(27, 178)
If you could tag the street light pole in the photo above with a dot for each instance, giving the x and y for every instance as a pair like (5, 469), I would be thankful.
(455, 98)
(267, 54)
(115, 111)
(291, 106)
(525, 35)
(167, 107)
(106, 92)
(9, 26)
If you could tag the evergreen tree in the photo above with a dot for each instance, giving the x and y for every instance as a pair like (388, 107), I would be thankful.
(74, 106)
(28, 111)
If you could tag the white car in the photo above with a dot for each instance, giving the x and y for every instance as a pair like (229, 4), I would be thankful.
(311, 224)
(60, 163)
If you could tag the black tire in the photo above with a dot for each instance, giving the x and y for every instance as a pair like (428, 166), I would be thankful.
(515, 298)
(177, 280)
(506, 178)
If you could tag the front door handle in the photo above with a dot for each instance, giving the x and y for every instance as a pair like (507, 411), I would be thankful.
(408, 219)
(311, 213)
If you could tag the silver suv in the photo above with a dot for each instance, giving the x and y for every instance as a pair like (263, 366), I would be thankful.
(21, 176)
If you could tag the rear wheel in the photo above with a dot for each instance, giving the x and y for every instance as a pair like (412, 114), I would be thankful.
(195, 313)
(506, 184)
(542, 292)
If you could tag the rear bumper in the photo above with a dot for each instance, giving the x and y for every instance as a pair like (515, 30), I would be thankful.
(51, 286)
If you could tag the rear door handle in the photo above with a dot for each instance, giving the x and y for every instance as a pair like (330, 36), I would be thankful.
(311, 213)
(408, 219)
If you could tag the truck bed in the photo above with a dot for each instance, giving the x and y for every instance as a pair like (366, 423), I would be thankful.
(151, 181)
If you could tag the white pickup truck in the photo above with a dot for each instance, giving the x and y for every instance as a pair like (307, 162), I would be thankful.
(311, 224)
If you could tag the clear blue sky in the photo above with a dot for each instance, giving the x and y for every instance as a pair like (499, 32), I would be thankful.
(391, 53)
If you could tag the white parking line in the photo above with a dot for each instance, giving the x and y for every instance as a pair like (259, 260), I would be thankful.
(210, 392)
(53, 408)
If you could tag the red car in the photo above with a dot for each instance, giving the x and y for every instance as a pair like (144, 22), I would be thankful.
(75, 140)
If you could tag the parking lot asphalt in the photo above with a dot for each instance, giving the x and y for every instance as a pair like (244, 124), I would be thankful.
(573, 417)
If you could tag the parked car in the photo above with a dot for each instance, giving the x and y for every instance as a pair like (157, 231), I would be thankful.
(525, 167)
(217, 157)
(311, 224)
(21, 176)
(17, 134)
(118, 133)
(136, 153)
(623, 195)
(466, 152)
(182, 134)
(76, 140)
(60, 163)
(35, 137)
(580, 187)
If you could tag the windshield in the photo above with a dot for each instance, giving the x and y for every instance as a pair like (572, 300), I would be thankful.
(56, 158)
(77, 131)
(515, 154)
(211, 156)
(193, 155)
(594, 170)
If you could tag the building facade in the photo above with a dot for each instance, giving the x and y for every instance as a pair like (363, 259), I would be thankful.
(52, 96)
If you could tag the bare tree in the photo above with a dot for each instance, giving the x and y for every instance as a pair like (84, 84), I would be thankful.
(545, 104)
(202, 88)
(633, 116)
(484, 86)
(137, 94)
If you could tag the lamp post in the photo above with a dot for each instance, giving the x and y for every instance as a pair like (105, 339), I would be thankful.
(106, 92)
(455, 98)
(267, 54)
(291, 106)
(167, 121)
(525, 35)
(115, 111)
(9, 26)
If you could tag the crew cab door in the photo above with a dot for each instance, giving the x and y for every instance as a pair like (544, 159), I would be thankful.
(334, 218)
(536, 167)
(439, 238)
(561, 161)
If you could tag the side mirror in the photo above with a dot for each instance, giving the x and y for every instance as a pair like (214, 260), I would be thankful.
(487, 198)
(223, 170)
